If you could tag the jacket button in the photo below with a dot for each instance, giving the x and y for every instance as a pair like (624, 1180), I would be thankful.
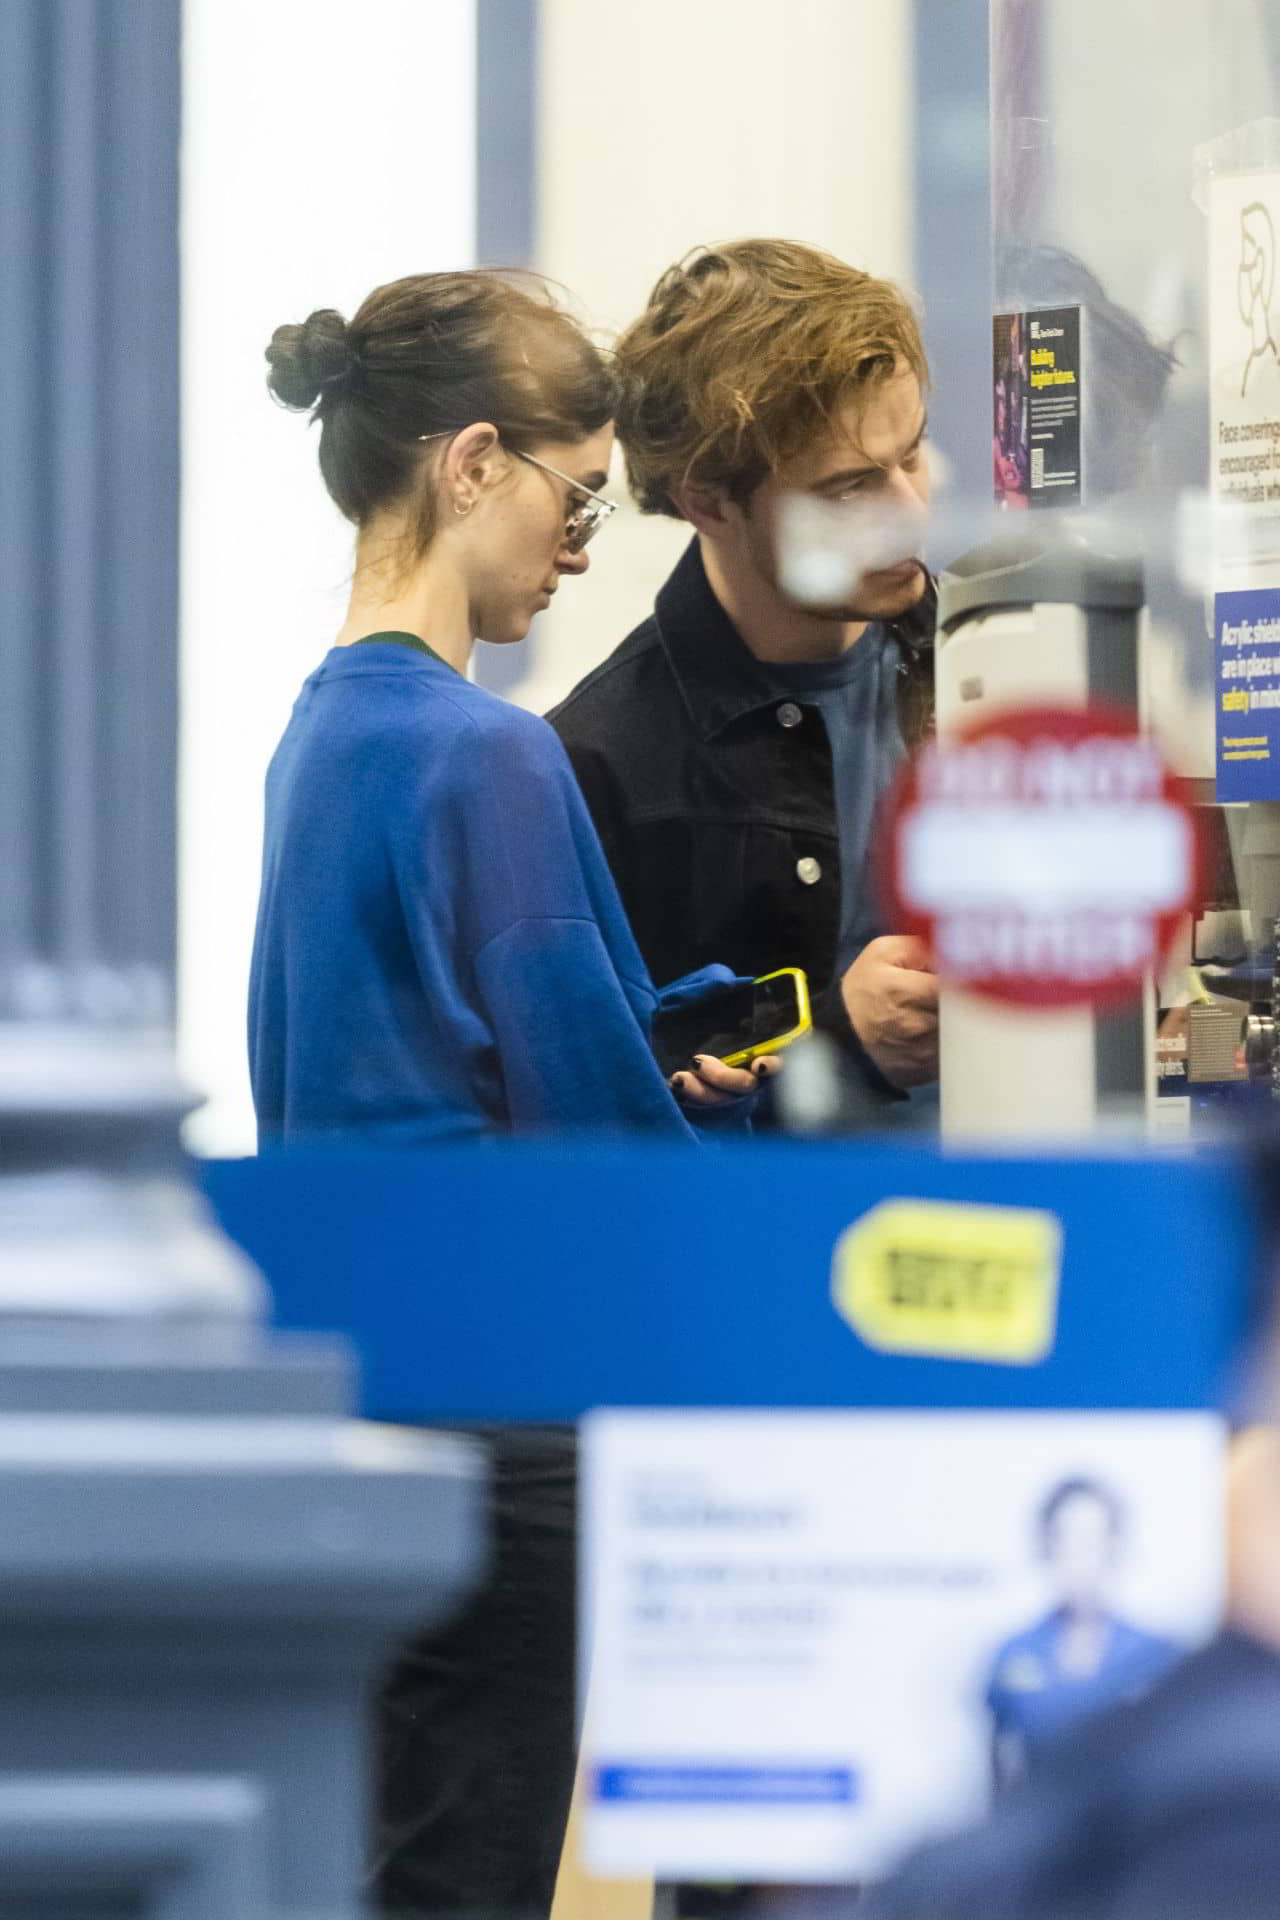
(809, 870)
(789, 714)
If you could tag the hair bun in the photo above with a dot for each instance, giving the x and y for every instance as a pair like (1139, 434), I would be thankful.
(307, 361)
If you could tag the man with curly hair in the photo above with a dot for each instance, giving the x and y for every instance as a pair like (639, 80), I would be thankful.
(734, 748)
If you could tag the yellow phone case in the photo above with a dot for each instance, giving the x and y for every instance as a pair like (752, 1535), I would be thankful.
(746, 1054)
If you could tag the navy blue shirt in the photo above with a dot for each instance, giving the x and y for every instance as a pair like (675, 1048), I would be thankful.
(857, 695)
(1165, 1808)
(1032, 1696)
(440, 948)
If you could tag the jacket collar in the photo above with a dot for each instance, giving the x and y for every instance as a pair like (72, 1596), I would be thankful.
(719, 678)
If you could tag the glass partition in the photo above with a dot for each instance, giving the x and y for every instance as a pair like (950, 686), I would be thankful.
(1132, 169)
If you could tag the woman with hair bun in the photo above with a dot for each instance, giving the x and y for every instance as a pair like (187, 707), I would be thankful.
(441, 953)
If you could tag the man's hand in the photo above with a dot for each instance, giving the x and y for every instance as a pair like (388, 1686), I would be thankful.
(891, 996)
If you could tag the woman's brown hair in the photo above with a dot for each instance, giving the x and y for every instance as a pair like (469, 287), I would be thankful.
(742, 354)
(432, 354)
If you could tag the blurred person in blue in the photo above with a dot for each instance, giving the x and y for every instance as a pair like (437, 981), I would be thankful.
(1082, 1655)
(1166, 1807)
(441, 955)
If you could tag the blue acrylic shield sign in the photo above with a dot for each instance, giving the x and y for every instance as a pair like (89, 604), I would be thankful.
(1246, 628)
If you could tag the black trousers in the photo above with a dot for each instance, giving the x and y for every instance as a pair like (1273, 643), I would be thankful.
(476, 1722)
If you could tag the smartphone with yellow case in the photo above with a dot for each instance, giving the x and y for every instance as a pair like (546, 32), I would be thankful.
(735, 1024)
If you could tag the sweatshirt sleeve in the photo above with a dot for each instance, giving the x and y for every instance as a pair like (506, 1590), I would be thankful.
(538, 937)
(573, 1052)
(564, 987)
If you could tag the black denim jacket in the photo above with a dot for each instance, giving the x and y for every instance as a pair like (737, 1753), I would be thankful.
(715, 798)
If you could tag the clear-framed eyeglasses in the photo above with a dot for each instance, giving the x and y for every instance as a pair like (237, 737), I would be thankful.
(585, 511)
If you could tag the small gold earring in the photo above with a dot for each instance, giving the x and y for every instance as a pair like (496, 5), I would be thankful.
(466, 509)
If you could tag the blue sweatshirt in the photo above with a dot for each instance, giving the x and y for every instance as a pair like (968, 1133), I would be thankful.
(440, 951)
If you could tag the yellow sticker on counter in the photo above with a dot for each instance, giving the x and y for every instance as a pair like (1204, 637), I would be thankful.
(950, 1280)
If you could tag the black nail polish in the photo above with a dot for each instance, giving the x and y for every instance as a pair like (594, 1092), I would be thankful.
(696, 1063)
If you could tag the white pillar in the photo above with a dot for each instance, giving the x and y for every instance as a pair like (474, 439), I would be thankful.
(672, 125)
(325, 151)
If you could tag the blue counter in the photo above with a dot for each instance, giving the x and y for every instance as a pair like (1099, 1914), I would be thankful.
(534, 1281)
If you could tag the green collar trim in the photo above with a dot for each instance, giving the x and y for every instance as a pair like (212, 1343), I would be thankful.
(403, 640)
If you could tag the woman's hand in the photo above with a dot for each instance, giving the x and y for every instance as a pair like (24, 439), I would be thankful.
(707, 1082)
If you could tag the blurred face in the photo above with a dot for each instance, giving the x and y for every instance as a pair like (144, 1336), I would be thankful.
(1081, 1549)
(516, 551)
(872, 460)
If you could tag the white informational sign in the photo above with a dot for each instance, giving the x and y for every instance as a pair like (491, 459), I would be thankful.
(814, 1639)
(1244, 379)
(1244, 459)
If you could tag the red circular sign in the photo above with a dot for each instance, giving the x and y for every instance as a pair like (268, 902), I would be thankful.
(1046, 855)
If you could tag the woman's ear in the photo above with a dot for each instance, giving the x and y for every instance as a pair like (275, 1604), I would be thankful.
(474, 460)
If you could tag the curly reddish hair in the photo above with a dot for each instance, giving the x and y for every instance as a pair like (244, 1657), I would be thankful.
(742, 354)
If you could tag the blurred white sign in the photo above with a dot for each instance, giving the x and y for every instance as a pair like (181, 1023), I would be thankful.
(1244, 461)
(1244, 353)
(1045, 856)
(815, 1638)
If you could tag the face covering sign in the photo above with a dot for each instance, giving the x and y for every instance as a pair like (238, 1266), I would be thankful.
(814, 1639)
(1244, 455)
